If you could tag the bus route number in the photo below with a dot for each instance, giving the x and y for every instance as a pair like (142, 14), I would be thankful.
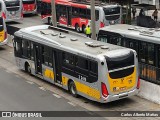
(82, 78)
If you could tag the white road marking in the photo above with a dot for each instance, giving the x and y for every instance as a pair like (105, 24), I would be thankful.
(57, 96)
(42, 88)
(8, 71)
(30, 82)
(71, 104)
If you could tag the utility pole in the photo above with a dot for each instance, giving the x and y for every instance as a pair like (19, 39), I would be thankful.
(93, 26)
(54, 19)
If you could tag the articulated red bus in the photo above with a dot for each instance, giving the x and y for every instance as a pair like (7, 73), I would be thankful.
(29, 6)
(78, 15)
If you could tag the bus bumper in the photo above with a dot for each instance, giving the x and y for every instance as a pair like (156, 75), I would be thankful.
(14, 19)
(111, 98)
(4, 42)
(30, 12)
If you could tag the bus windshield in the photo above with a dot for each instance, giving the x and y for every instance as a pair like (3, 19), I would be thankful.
(28, 1)
(12, 3)
(112, 13)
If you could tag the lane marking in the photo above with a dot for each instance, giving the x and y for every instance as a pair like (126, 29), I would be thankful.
(57, 96)
(71, 104)
(42, 88)
(30, 82)
(8, 71)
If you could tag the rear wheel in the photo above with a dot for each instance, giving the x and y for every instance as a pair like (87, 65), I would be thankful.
(72, 89)
(28, 68)
(77, 28)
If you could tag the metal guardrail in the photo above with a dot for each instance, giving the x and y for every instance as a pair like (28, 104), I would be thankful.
(149, 73)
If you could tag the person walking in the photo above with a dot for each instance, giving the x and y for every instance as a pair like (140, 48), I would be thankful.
(134, 12)
(141, 13)
(88, 31)
(155, 15)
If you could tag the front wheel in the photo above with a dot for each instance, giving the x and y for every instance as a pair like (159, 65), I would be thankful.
(72, 89)
(28, 68)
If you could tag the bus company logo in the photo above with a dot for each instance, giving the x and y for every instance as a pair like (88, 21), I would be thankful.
(122, 80)
(6, 114)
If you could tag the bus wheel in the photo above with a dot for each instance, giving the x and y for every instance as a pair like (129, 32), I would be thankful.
(72, 89)
(77, 28)
(28, 68)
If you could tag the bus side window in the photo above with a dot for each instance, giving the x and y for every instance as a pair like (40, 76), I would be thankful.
(151, 54)
(75, 11)
(82, 13)
(47, 55)
(94, 67)
(32, 51)
(17, 46)
(26, 48)
(82, 63)
(143, 52)
(68, 58)
(103, 39)
(116, 40)
(133, 44)
(158, 57)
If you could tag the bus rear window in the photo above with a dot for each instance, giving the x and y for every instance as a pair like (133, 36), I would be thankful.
(28, 1)
(111, 11)
(12, 3)
(120, 62)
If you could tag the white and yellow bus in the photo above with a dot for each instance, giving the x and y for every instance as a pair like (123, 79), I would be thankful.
(3, 32)
(99, 71)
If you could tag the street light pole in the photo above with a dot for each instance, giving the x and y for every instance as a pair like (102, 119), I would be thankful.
(93, 26)
(54, 19)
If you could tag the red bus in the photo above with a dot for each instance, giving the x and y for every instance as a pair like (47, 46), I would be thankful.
(29, 6)
(78, 15)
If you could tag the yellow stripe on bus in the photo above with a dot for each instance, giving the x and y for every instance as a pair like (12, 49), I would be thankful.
(85, 89)
(2, 36)
(49, 74)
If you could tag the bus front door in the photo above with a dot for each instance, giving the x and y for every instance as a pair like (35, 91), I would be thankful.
(69, 13)
(58, 67)
(38, 64)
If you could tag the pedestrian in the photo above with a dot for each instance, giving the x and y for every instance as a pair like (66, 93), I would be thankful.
(141, 13)
(134, 12)
(155, 15)
(88, 31)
